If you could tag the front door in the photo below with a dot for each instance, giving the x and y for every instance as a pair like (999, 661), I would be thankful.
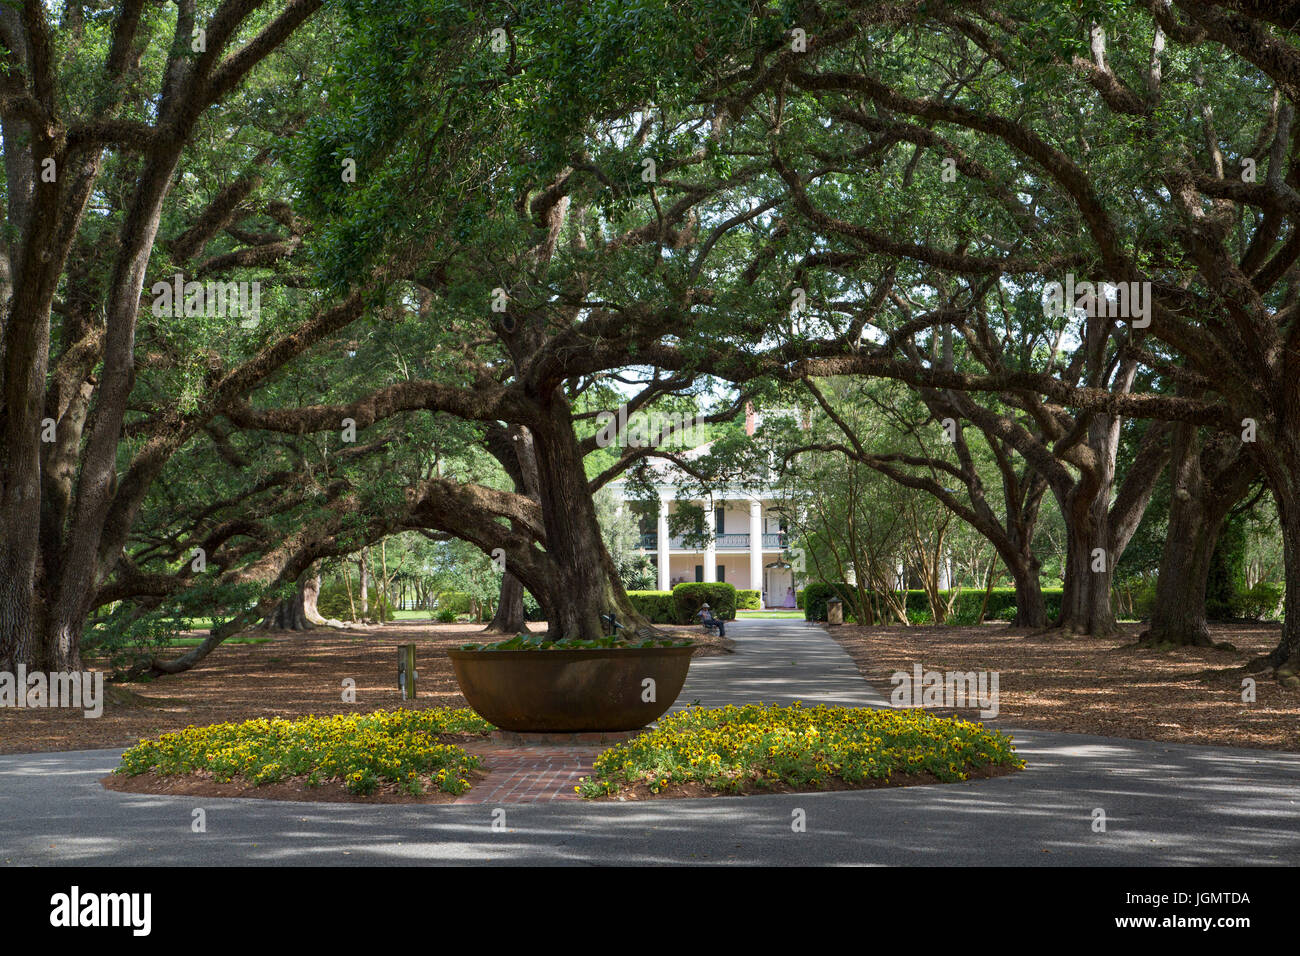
(776, 581)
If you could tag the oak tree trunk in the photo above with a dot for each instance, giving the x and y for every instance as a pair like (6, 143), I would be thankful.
(1089, 568)
(1031, 609)
(1206, 483)
(509, 617)
(298, 613)
(582, 582)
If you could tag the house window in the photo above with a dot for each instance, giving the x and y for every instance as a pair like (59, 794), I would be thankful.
(719, 520)
(722, 573)
(699, 573)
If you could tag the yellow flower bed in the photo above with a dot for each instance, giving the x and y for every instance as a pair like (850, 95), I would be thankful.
(742, 748)
(358, 749)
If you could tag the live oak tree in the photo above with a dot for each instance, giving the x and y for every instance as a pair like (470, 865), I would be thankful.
(929, 451)
(97, 112)
(573, 253)
(1125, 144)
(1211, 472)
(481, 193)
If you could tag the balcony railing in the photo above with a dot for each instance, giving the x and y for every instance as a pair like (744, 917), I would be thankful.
(724, 542)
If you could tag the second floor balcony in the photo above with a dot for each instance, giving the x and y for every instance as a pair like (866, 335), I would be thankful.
(776, 541)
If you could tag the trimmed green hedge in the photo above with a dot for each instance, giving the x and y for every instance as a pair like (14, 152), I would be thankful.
(657, 607)
(1001, 606)
(690, 597)
(813, 600)
(747, 600)
(680, 605)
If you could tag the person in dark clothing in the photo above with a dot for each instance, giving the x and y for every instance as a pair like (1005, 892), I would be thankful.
(710, 622)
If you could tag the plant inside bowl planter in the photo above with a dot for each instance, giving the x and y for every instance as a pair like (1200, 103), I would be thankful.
(531, 684)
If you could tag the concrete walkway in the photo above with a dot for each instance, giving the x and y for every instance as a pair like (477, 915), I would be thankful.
(1164, 804)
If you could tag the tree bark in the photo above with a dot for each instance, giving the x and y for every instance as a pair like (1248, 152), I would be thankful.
(509, 617)
(299, 612)
(1031, 608)
(1206, 482)
(1097, 531)
(1280, 462)
(365, 585)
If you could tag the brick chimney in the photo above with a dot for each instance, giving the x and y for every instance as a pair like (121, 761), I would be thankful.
(749, 419)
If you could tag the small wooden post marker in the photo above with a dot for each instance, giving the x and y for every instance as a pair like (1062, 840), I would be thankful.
(406, 672)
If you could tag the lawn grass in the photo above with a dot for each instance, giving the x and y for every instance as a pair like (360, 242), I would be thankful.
(196, 641)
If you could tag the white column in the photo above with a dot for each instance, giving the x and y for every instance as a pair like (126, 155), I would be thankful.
(710, 549)
(664, 576)
(756, 547)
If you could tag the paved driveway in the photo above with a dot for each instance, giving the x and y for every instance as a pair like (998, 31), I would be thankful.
(1165, 804)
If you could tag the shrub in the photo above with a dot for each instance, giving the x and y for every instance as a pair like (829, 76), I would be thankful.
(1144, 600)
(965, 609)
(540, 642)
(749, 600)
(657, 607)
(332, 602)
(735, 749)
(1262, 602)
(459, 602)
(816, 595)
(446, 615)
(690, 597)
(1001, 605)
(360, 750)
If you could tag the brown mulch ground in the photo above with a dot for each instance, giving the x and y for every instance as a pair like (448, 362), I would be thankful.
(292, 675)
(1104, 686)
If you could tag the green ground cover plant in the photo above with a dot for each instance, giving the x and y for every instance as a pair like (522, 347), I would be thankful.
(739, 749)
(358, 750)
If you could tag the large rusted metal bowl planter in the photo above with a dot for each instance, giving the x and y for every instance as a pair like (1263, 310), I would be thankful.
(577, 691)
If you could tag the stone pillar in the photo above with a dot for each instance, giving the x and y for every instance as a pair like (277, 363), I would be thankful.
(664, 576)
(756, 547)
(710, 549)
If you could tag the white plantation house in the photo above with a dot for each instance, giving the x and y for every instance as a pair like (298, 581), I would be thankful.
(748, 546)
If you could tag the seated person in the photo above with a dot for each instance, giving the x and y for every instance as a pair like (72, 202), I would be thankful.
(706, 616)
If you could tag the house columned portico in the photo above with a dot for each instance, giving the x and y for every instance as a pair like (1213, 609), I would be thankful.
(746, 548)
